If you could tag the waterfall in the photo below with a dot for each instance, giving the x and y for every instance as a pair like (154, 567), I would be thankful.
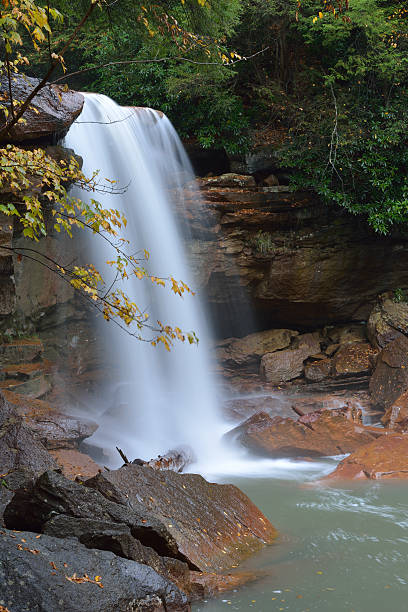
(160, 400)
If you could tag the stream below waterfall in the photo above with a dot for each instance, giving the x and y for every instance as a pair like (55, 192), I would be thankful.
(340, 549)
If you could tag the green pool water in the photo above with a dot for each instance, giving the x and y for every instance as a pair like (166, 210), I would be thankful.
(341, 549)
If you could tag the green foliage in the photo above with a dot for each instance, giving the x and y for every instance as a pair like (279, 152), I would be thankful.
(330, 84)
(262, 243)
(335, 87)
(400, 295)
(196, 94)
(32, 181)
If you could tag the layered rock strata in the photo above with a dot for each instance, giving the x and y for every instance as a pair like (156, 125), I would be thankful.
(300, 263)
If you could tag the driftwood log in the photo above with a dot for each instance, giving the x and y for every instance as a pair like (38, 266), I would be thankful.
(176, 459)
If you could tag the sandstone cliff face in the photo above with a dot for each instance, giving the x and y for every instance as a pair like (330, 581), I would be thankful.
(300, 263)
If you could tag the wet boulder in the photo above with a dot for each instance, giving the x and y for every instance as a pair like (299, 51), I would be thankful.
(282, 366)
(117, 538)
(396, 416)
(50, 113)
(316, 434)
(48, 574)
(215, 526)
(390, 377)
(53, 428)
(248, 351)
(354, 358)
(10, 482)
(346, 334)
(52, 494)
(388, 321)
(318, 370)
(19, 448)
(384, 458)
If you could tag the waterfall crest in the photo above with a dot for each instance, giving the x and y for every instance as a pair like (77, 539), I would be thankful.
(161, 400)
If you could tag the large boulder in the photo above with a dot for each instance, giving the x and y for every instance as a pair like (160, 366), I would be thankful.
(10, 482)
(286, 365)
(215, 526)
(390, 377)
(117, 538)
(388, 321)
(396, 416)
(384, 458)
(353, 359)
(19, 448)
(53, 428)
(50, 113)
(248, 351)
(316, 434)
(45, 574)
(53, 494)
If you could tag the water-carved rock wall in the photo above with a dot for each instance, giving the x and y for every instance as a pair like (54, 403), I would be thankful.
(300, 263)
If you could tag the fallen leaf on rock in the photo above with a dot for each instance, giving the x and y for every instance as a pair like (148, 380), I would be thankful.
(85, 578)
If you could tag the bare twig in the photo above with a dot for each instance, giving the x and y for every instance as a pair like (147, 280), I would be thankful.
(122, 454)
(158, 61)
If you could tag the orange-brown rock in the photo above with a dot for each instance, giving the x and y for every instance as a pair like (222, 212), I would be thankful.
(390, 377)
(301, 263)
(75, 464)
(396, 416)
(19, 447)
(215, 526)
(354, 358)
(318, 370)
(55, 429)
(385, 458)
(316, 434)
(212, 583)
(388, 321)
(248, 351)
(282, 366)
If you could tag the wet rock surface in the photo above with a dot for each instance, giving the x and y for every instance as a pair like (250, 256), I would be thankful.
(384, 458)
(74, 464)
(301, 263)
(248, 351)
(354, 358)
(19, 448)
(282, 366)
(215, 526)
(10, 482)
(396, 416)
(390, 377)
(45, 574)
(388, 321)
(51, 111)
(116, 538)
(53, 428)
(52, 494)
(316, 434)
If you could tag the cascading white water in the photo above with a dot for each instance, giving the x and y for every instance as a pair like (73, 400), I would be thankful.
(159, 400)
(162, 399)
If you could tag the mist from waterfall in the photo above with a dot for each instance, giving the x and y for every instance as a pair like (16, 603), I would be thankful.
(161, 400)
